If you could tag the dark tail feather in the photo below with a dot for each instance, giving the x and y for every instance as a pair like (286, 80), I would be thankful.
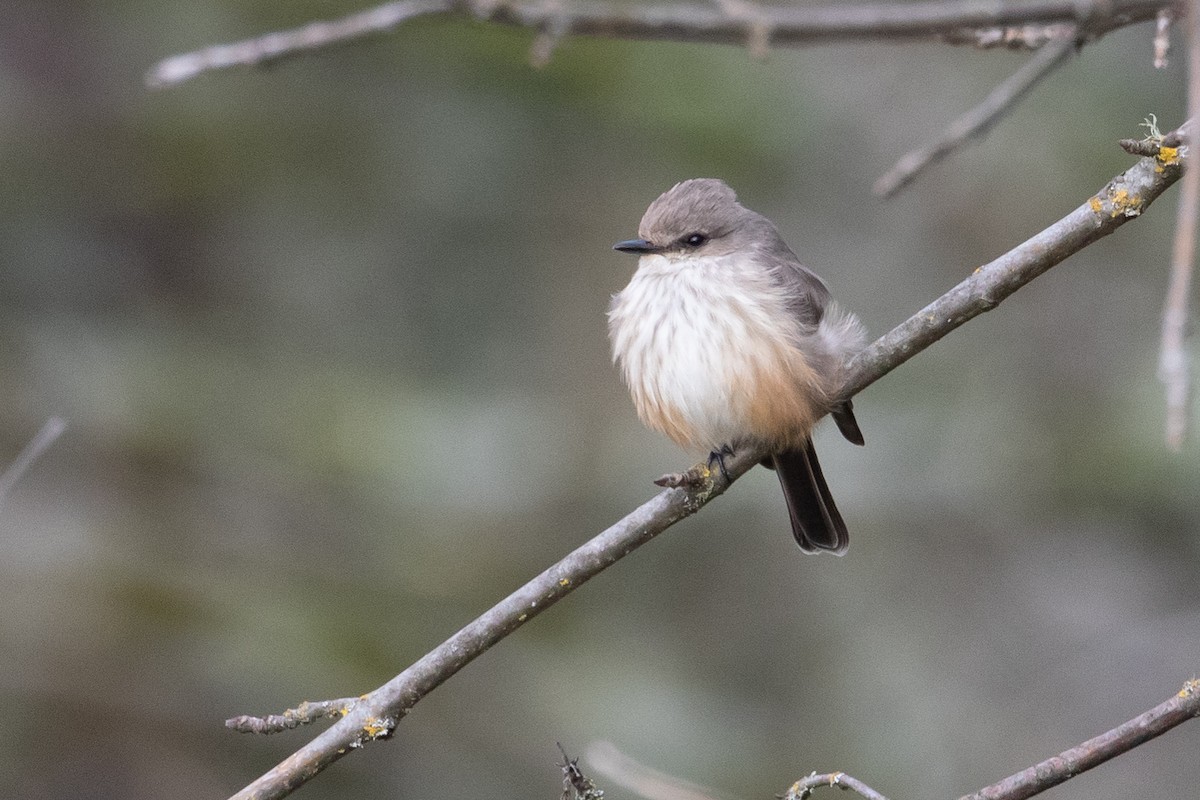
(843, 415)
(816, 523)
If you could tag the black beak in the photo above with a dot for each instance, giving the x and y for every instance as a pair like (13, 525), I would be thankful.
(635, 246)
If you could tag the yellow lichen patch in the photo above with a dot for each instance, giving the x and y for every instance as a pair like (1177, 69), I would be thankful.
(1125, 203)
(564, 582)
(375, 727)
(1190, 688)
(1168, 156)
(1119, 202)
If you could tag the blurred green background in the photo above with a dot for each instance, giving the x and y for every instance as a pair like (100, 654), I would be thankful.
(330, 342)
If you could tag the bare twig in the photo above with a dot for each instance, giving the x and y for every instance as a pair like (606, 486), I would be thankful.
(978, 120)
(803, 788)
(644, 781)
(783, 24)
(1162, 37)
(1183, 706)
(1123, 199)
(1173, 366)
(304, 714)
(272, 47)
(29, 454)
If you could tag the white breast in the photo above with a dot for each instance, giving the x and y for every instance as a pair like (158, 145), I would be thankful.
(709, 352)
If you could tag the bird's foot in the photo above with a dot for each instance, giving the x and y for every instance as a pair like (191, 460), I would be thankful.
(718, 457)
(699, 475)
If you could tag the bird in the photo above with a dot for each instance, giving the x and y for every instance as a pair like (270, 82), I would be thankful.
(725, 340)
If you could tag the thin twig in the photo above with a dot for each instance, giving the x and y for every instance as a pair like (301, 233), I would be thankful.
(978, 120)
(1183, 706)
(1173, 367)
(803, 788)
(306, 713)
(272, 47)
(1123, 199)
(683, 22)
(29, 454)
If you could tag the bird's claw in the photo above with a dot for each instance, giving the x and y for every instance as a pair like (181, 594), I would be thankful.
(718, 457)
(698, 475)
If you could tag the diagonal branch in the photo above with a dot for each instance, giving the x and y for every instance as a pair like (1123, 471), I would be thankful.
(979, 119)
(685, 22)
(377, 714)
(1183, 706)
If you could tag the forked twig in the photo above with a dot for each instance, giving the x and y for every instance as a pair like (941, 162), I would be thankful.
(803, 788)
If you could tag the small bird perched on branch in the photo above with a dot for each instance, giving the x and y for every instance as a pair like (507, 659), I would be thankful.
(726, 340)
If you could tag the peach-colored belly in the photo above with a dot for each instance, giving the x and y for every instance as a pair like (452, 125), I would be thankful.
(709, 362)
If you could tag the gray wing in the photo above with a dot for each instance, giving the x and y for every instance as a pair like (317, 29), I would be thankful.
(807, 298)
(807, 293)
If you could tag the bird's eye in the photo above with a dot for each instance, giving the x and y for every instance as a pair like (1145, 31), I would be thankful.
(695, 239)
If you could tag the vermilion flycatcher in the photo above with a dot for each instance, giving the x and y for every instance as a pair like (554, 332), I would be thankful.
(726, 340)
